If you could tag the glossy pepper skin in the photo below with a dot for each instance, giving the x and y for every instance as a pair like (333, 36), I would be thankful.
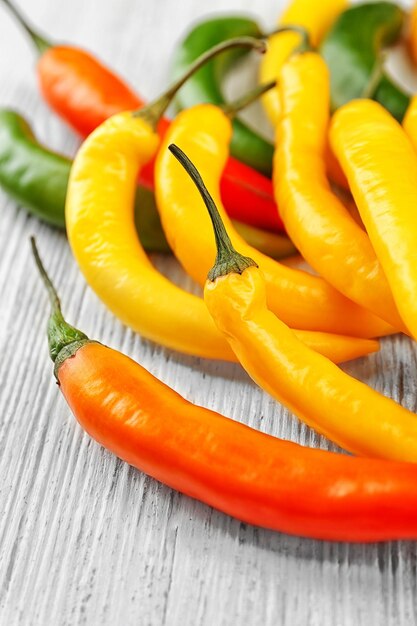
(222, 462)
(340, 407)
(102, 235)
(321, 227)
(84, 93)
(316, 18)
(353, 51)
(302, 300)
(99, 217)
(381, 166)
(206, 85)
(37, 178)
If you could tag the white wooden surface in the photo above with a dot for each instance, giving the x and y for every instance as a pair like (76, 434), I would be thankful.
(84, 538)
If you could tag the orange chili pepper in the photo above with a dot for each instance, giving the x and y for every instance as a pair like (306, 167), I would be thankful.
(240, 471)
(316, 220)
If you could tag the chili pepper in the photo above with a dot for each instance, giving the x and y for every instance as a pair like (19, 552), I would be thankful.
(316, 18)
(105, 244)
(340, 407)
(322, 229)
(205, 86)
(85, 93)
(302, 300)
(353, 50)
(368, 141)
(220, 461)
(37, 179)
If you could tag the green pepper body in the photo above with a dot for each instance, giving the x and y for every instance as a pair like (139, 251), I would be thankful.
(353, 51)
(206, 84)
(37, 179)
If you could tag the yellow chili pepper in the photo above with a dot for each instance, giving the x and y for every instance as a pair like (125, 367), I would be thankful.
(316, 220)
(335, 404)
(381, 166)
(410, 120)
(303, 301)
(102, 234)
(316, 18)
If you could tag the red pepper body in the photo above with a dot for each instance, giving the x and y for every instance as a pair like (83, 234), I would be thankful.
(257, 478)
(85, 93)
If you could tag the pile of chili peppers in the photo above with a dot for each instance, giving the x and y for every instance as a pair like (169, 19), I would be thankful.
(338, 185)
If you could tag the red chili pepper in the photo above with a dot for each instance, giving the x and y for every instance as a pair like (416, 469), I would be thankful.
(85, 93)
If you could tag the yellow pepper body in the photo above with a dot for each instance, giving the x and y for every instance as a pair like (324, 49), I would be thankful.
(316, 18)
(381, 166)
(303, 301)
(338, 406)
(102, 235)
(316, 220)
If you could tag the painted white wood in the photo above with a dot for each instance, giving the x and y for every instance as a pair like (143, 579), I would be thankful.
(84, 538)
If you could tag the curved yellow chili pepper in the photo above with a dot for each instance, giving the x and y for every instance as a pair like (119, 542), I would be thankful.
(101, 231)
(316, 220)
(335, 404)
(316, 18)
(343, 409)
(381, 166)
(302, 300)
(103, 237)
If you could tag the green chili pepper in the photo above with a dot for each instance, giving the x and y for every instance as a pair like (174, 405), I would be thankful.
(353, 50)
(205, 85)
(37, 179)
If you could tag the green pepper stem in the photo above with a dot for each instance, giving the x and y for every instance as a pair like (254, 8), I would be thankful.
(231, 108)
(305, 45)
(228, 260)
(375, 79)
(153, 112)
(41, 44)
(62, 337)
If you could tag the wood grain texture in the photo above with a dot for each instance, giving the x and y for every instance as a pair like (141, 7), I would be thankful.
(84, 538)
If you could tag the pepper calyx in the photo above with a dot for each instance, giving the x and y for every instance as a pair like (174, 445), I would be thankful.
(230, 263)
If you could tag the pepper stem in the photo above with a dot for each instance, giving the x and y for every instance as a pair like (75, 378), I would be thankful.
(228, 260)
(375, 79)
(231, 108)
(153, 112)
(61, 335)
(305, 45)
(41, 44)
